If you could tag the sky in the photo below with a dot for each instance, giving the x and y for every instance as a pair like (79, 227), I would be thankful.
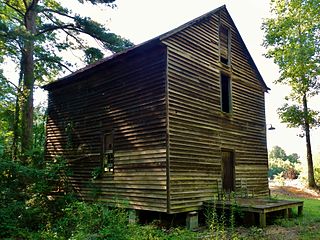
(141, 20)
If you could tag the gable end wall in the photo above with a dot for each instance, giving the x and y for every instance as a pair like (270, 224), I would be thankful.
(198, 130)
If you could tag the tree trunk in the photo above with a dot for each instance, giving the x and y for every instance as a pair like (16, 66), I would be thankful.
(28, 81)
(311, 180)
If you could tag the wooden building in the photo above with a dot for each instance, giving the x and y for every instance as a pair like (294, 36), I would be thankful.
(165, 123)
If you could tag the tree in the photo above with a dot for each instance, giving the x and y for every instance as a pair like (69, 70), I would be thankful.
(292, 36)
(293, 158)
(34, 33)
(6, 114)
(281, 163)
(277, 152)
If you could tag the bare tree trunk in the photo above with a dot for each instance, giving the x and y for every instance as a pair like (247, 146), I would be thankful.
(28, 81)
(311, 180)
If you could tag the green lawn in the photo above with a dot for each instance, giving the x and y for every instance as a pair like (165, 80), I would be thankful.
(307, 226)
(304, 227)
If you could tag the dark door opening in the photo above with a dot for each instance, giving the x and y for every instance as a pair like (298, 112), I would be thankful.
(228, 170)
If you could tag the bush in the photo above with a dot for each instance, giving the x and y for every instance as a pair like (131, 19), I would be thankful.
(93, 221)
(285, 168)
(24, 203)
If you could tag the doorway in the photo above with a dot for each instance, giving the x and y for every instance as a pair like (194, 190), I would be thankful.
(228, 170)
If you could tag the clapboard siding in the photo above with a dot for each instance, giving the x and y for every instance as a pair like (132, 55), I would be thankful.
(198, 130)
(162, 100)
(127, 97)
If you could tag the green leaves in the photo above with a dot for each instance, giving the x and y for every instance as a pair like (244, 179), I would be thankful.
(292, 39)
(294, 116)
(92, 55)
(38, 37)
(109, 40)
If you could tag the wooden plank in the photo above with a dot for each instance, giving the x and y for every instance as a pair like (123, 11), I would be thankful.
(197, 128)
(128, 98)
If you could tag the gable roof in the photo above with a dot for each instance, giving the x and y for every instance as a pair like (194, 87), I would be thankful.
(150, 43)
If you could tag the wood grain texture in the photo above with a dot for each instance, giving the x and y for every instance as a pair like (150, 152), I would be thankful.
(127, 97)
(162, 99)
(198, 129)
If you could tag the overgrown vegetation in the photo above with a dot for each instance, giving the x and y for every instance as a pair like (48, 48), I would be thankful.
(26, 202)
(30, 210)
(221, 224)
(283, 165)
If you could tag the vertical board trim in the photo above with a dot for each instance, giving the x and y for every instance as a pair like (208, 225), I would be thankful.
(167, 132)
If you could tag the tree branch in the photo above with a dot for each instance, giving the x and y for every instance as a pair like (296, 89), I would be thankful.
(76, 39)
(54, 28)
(57, 12)
(71, 27)
(15, 86)
(57, 62)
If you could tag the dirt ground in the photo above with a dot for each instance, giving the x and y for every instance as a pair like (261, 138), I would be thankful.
(293, 189)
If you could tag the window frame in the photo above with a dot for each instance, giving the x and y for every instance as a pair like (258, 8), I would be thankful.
(223, 97)
(226, 61)
(107, 153)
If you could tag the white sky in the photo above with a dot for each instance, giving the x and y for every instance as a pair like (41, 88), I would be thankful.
(141, 20)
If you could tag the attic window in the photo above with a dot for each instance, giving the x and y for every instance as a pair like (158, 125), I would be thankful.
(225, 86)
(224, 40)
(108, 153)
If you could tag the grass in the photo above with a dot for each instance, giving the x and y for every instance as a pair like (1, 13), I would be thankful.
(307, 226)
(303, 228)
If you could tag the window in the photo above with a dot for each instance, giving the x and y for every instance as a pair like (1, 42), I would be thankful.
(108, 153)
(225, 86)
(224, 40)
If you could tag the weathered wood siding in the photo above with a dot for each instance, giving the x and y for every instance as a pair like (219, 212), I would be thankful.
(126, 95)
(197, 128)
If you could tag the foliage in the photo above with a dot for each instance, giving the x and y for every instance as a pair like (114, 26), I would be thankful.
(317, 169)
(39, 129)
(35, 35)
(218, 221)
(277, 152)
(292, 37)
(294, 116)
(284, 168)
(83, 220)
(29, 211)
(6, 114)
(284, 165)
(56, 29)
(93, 221)
(25, 205)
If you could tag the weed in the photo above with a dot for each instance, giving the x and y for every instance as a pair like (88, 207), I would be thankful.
(222, 223)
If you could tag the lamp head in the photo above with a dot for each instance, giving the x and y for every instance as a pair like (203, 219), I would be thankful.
(271, 127)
